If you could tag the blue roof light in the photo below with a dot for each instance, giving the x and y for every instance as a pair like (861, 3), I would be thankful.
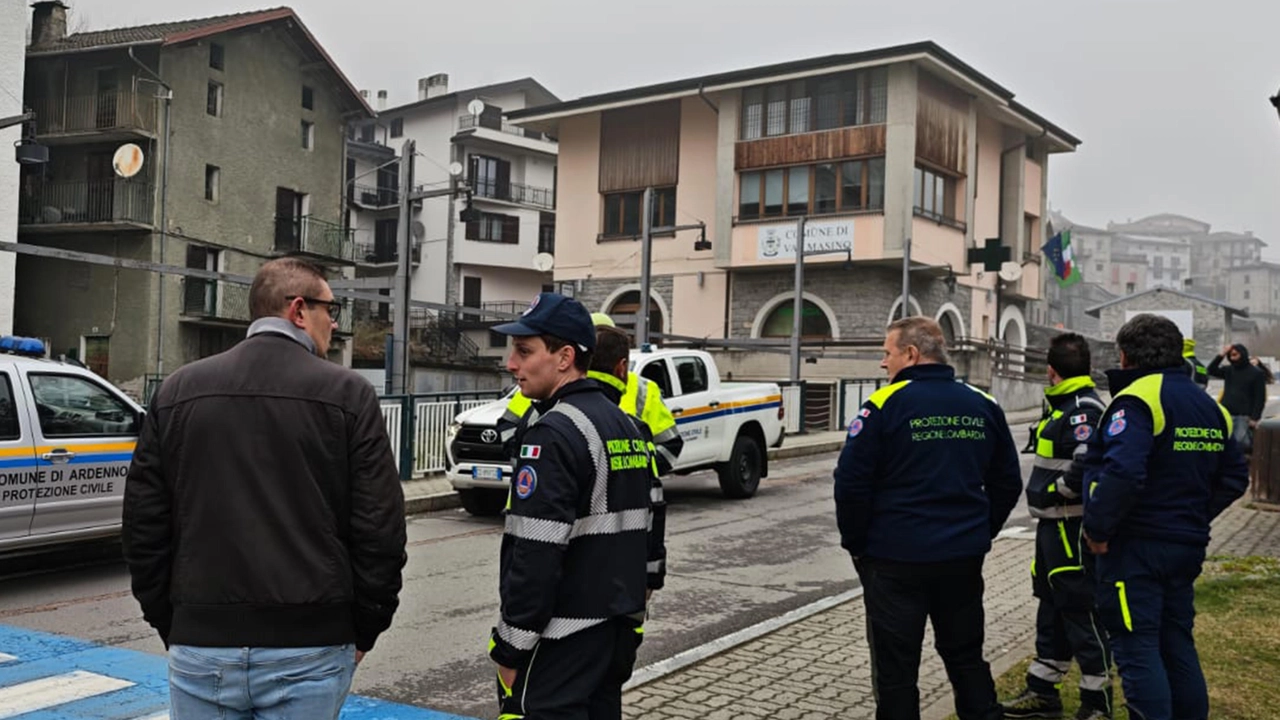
(28, 347)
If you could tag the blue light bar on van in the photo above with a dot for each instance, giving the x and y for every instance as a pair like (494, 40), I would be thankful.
(28, 347)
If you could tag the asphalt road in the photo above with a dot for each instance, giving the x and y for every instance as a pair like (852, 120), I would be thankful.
(733, 564)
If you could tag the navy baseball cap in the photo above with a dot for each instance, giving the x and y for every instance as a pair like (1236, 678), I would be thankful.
(556, 315)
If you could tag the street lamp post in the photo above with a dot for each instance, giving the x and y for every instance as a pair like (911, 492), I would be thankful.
(797, 312)
(646, 260)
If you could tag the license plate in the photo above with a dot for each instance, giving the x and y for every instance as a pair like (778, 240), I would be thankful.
(486, 473)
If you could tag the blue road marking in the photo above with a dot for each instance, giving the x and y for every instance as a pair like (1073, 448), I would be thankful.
(38, 655)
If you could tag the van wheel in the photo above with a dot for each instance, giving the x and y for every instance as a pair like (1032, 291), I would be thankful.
(482, 502)
(740, 477)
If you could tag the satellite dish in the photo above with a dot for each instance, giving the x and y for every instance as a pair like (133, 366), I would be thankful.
(127, 160)
(475, 107)
(1010, 271)
(543, 262)
(455, 169)
(417, 229)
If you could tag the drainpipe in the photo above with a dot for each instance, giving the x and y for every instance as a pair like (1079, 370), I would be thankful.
(707, 100)
(164, 197)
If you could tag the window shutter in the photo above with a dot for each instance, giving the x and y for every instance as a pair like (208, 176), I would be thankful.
(510, 229)
(503, 179)
(473, 228)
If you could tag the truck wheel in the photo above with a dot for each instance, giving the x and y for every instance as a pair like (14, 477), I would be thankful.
(482, 502)
(740, 477)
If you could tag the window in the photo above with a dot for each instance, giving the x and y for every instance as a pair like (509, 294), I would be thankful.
(212, 175)
(491, 177)
(384, 240)
(1246, 279)
(200, 296)
(846, 186)
(622, 211)
(214, 105)
(934, 195)
(308, 98)
(9, 427)
(1246, 294)
(823, 103)
(71, 406)
(471, 292)
(497, 340)
(1128, 288)
(216, 56)
(366, 133)
(397, 127)
(693, 375)
(308, 135)
(657, 372)
(492, 227)
(97, 353)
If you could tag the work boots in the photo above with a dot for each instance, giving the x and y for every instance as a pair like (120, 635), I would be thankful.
(1031, 704)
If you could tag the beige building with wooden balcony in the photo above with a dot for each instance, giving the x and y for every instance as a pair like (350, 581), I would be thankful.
(874, 148)
(255, 158)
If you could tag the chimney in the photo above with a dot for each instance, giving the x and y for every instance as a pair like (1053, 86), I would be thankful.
(382, 100)
(48, 23)
(364, 95)
(434, 86)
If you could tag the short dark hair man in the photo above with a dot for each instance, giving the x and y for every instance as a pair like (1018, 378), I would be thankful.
(1163, 466)
(610, 366)
(1244, 391)
(263, 515)
(927, 478)
(1062, 574)
(574, 551)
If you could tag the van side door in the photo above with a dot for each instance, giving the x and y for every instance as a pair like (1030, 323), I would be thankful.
(19, 474)
(86, 433)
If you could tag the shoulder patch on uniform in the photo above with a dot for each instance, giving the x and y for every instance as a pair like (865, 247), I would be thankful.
(1077, 419)
(1117, 425)
(1083, 432)
(526, 481)
(864, 412)
(855, 427)
(530, 452)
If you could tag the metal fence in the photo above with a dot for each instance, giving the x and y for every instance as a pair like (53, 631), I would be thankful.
(418, 426)
(121, 110)
(792, 406)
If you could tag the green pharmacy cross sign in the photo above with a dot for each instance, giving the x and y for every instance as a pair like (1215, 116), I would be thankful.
(991, 255)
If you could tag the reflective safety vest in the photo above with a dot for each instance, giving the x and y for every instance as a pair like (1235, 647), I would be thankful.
(1055, 485)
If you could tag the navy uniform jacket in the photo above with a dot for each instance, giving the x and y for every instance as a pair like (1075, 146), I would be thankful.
(1163, 463)
(576, 542)
(929, 472)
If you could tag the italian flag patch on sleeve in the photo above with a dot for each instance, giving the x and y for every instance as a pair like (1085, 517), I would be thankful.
(530, 452)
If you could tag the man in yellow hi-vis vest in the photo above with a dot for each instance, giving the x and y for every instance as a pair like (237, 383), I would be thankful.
(642, 399)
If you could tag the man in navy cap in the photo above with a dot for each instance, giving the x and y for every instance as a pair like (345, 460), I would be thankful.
(575, 547)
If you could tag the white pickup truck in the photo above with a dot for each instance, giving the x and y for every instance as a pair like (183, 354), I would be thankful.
(726, 426)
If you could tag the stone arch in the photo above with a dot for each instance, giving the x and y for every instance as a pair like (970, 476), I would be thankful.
(781, 299)
(618, 296)
(897, 303)
(952, 322)
(1013, 332)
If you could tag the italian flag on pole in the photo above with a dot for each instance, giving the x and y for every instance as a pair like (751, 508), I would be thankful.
(1058, 251)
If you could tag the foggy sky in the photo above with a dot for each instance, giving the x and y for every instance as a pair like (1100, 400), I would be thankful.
(1169, 96)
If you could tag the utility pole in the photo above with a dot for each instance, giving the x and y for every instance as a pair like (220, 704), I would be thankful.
(797, 312)
(646, 260)
(400, 384)
(646, 257)
(906, 277)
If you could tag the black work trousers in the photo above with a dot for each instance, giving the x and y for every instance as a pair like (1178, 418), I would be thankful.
(899, 598)
(579, 677)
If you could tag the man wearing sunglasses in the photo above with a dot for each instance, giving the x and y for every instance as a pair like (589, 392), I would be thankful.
(264, 520)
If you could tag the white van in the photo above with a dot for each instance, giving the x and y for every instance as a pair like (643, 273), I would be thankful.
(66, 440)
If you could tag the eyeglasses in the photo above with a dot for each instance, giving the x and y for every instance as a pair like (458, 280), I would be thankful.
(334, 307)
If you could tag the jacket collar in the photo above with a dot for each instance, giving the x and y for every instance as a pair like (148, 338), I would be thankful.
(613, 388)
(1118, 380)
(929, 371)
(576, 387)
(280, 326)
(1068, 389)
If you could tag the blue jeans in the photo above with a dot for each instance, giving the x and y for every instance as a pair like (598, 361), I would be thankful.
(259, 683)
